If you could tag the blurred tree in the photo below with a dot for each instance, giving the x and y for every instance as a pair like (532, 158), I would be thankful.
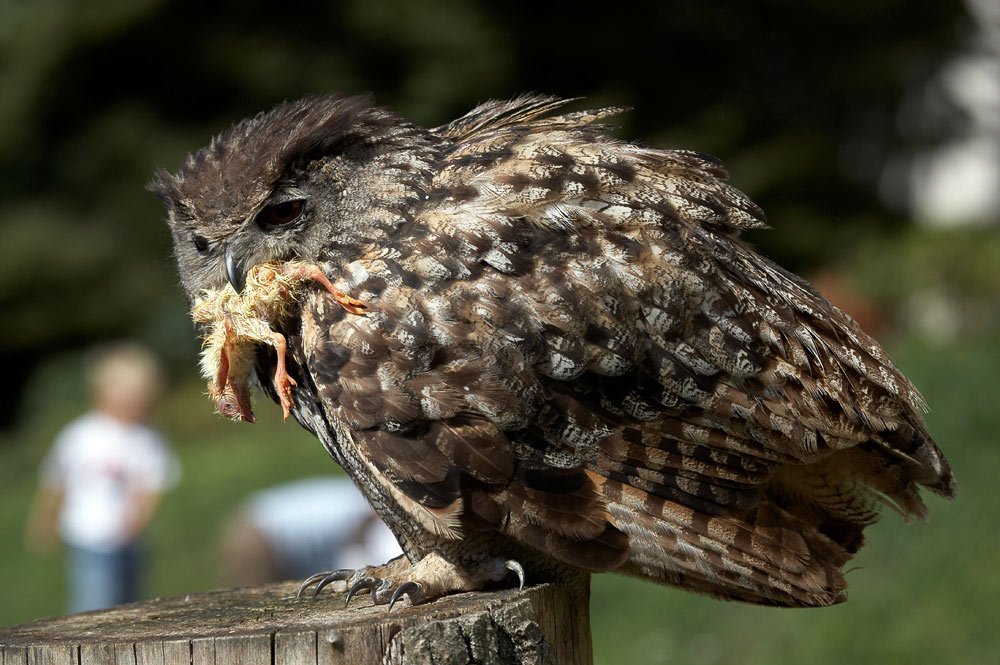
(798, 98)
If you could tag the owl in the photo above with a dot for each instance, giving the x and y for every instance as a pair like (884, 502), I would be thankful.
(562, 359)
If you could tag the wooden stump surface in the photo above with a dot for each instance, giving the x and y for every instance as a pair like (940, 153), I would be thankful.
(544, 624)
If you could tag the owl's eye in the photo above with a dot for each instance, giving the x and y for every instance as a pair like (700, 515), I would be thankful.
(201, 244)
(280, 214)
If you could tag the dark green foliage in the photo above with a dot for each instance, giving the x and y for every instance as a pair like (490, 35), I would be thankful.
(799, 99)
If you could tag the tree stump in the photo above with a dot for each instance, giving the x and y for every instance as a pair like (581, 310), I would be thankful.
(266, 625)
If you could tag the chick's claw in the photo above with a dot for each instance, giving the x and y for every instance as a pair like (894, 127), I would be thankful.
(352, 305)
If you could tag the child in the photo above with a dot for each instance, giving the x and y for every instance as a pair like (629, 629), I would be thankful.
(103, 479)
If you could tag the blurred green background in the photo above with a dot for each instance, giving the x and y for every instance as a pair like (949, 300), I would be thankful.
(848, 122)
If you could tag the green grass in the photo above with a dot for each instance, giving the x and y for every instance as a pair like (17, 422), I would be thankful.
(921, 593)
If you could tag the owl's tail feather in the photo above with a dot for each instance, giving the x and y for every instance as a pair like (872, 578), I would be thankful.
(919, 459)
(765, 555)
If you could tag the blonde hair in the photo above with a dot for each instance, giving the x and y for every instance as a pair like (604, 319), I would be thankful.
(125, 367)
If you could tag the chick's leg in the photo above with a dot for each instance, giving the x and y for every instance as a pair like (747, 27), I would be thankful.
(312, 271)
(282, 382)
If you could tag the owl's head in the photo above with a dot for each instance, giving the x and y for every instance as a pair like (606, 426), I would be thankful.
(311, 180)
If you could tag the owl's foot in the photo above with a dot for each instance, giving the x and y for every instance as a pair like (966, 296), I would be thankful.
(312, 271)
(431, 577)
(282, 382)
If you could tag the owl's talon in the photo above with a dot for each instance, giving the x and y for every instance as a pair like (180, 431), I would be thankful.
(323, 579)
(415, 590)
(309, 581)
(368, 583)
(518, 570)
(335, 576)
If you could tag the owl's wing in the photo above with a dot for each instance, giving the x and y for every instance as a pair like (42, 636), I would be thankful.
(428, 428)
(569, 346)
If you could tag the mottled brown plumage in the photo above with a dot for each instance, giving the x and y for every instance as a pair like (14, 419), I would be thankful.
(568, 359)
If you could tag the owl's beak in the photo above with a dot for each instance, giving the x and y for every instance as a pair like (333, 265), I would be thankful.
(236, 270)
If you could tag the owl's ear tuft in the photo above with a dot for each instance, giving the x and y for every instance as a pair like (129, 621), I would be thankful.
(329, 125)
(165, 187)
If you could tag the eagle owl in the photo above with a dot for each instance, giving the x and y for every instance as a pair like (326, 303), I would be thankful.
(563, 359)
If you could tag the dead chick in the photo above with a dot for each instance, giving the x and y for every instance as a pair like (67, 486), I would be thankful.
(241, 321)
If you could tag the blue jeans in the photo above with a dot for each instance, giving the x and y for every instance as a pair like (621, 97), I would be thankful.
(99, 579)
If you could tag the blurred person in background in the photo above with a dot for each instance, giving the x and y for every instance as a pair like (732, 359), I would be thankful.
(103, 478)
(293, 530)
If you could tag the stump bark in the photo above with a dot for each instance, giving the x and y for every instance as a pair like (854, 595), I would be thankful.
(265, 625)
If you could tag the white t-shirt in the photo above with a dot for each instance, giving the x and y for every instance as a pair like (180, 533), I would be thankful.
(308, 523)
(99, 463)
